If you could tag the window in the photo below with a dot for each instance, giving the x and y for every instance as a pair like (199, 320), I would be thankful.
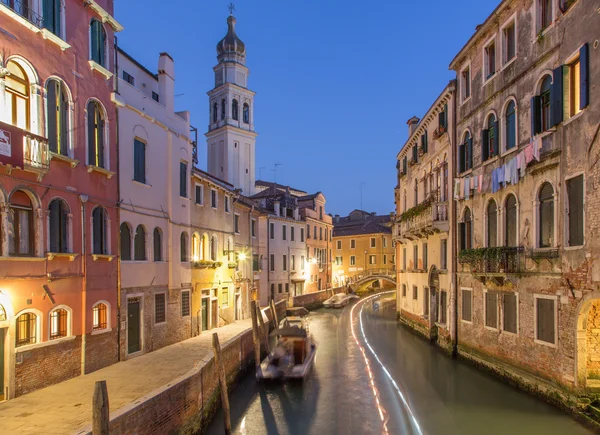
(57, 122)
(98, 43)
(139, 161)
(490, 60)
(17, 95)
(287, 287)
(443, 313)
(545, 311)
(183, 242)
(128, 78)
(403, 258)
(384, 242)
(59, 225)
(99, 224)
(99, 317)
(234, 110)
(302, 263)
(284, 232)
(272, 290)
(373, 242)
(352, 260)
(403, 290)
(307, 232)
(285, 263)
(52, 16)
(255, 263)
(26, 330)
(315, 232)
(199, 194)
(320, 233)
(465, 83)
(125, 235)
(279, 288)
(339, 244)
(302, 234)
(425, 262)
(292, 234)
(246, 113)
(510, 126)
(215, 112)
(489, 139)
(139, 244)
(384, 259)
(293, 259)
(213, 198)
(465, 232)
(575, 210)
(213, 248)
(339, 261)
(372, 259)
(58, 323)
(510, 225)
(225, 296)
(272, 262)
(509, 312)
(185, 303)
(540, 107)
(415, 256)
(96, 124)
(272, 231)
(415, 292)
(544, 13)
(183, 179)
(444, 253)
(160, 312)
(352, 244)
(226, 204)
(155, 97)
(222, 109)
(574, 77)
(466, 305)
(509, 42)
(253, 228)
(465, 153)
(491, 309)
(157, 245)
(236, 223)
(492, 224)
(546, 216)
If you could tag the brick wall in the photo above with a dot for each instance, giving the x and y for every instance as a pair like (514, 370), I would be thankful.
(101, 350)
(593, 341)
(47, 365)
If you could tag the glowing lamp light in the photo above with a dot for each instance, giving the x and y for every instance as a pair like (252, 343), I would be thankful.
(313, 260)
(242, 256)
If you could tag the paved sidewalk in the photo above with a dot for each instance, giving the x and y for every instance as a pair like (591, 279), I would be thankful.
(66, 408)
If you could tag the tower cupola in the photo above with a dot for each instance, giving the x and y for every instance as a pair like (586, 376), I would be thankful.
(231, 46)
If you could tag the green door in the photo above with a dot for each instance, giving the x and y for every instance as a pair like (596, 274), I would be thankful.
(2, 331)
(204, 314)
(133, 326)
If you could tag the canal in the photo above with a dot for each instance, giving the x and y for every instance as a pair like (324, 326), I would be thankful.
(402, 386)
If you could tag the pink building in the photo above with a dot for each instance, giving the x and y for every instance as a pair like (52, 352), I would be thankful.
(58, 192)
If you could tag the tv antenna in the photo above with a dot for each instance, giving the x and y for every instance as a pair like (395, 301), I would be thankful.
(275, 171)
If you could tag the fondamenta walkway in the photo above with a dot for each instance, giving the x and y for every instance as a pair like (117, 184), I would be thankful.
(66, 408)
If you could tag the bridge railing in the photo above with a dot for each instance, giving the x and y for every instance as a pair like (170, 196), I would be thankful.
(391, 273)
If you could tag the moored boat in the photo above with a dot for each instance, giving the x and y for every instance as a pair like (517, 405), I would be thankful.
(339, 300)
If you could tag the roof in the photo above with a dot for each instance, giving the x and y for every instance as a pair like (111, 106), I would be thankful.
(308, 197)
(142, 67)
(276, 185)
(224, 184)
(369, 224)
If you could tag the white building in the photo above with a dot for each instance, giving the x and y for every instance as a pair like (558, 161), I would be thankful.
(156, 154)
(231, 137)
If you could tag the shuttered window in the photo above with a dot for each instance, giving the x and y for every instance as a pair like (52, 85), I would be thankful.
(443, 307)
(415, 257)
(546, 215)
(99, 241)
(425, 266)
(59, 213)
(403, 290)
(545, 324)
(509, 312)
(491, 309)
(57, 105)
(185, 303)
(492, 224)
(426, 301)
(95, 137)
(139, 161)
(183, 179)
(415, 292)
(52, 16)
(510, 130)
(139, 244)
(157, 245)
(160, 313)
(465, 231)
(98, 43)
(575, 194)
(510, 228)
(466, 305)
(444, 253)
(125, 242)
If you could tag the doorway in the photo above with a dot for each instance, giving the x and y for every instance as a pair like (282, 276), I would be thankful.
(2, 372)
(238, 306)
(215, 314)
(133, 326)
(204, 314)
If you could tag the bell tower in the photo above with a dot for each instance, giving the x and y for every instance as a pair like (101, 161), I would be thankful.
(231, 137)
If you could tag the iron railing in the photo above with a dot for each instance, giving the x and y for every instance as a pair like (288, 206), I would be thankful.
(35, 152)
(24, 9)
(494, 260)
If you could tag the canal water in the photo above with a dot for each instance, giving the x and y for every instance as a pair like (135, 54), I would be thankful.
(403, 386)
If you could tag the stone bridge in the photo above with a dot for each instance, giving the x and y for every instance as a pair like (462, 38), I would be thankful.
(388, 275)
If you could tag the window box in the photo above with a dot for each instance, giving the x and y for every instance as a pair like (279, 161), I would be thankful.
(206, 264)
(52, 255)
(62, 158)
(102, 257)
(439, 132)
(97, 67)
(108, 174)
(56, 39)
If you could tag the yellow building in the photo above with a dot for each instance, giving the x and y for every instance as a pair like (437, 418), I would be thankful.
(362, 243)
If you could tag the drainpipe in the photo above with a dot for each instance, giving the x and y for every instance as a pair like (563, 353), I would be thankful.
(251, 244)
(83, 199)
(454, 249)
(116, 88)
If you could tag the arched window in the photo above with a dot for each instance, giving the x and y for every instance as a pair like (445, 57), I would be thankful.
(215, 114)
(195, 247)
(489, 139)
(125, 235)
(57, 107)
(26, 330)
(52, 16)
(510, 224)
(59, 323)
(234, 110)
(157, 245)
(59, 225)
(465, 230)
(204, 248)
(17, 98)
(22, 239)
(546, 215)
(492, 224)
(545, 102)
(98, 43)
(213, 248)
(183, 242)
(99, 239)
(510, 126)
(100, 317)
(96, 124)
(465, 153)
(139, 244)
(246, 113)
(223, 109)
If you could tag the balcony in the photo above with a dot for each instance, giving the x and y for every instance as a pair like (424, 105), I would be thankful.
(21, 149)
(493, 262)
(21, 9)
(425, 219)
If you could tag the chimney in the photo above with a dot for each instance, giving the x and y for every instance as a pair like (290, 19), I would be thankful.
(336, 218)
(276, 207)
(296, 214)
(166, 81)
(413, 123)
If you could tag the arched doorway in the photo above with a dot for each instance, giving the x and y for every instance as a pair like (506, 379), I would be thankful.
(588, 344)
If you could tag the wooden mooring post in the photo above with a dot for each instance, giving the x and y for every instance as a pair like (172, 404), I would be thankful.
(222, 382)
(263, 329)
(255, 333)
(274, 315)
(100, 410)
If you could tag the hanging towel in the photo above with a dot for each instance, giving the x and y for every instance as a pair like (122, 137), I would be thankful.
(494, 180)
(536, 148)
(506, 173)
(472, 183)
(514, 171)
(476, 183)
(528, 153)
(467, 187)
(462, 188)
(456, 189)
(521, 163)
(480, 188)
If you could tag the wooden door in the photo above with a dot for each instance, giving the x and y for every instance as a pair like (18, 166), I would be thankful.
(204, 314)
(215, 314)
(133, 326)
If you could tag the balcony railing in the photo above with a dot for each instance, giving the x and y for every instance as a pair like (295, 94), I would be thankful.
(22, 149)
(24, 9)
(35, 152)
(500, 260)
(429, 216)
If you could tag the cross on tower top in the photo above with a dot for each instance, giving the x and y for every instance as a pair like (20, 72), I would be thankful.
(231, 8)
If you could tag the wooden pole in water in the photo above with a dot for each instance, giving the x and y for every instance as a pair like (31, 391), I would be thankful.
(100, 410)
(263, 329)
(274, 315)
(255, 333)
(222, 382)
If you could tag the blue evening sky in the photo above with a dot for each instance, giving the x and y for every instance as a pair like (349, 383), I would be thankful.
(336, 80)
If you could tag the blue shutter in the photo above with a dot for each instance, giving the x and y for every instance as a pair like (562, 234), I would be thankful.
(496, 143)
(485, 138)
(470, 153)
(584, 65)
(536, 115)
(556, 98)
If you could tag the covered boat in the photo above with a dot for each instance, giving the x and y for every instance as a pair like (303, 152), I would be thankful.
(339, 300)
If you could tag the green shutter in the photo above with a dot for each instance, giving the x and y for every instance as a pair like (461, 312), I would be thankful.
(496, 143)
(536, 115)
(485, 149)
(51, 105)
(556, 98)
